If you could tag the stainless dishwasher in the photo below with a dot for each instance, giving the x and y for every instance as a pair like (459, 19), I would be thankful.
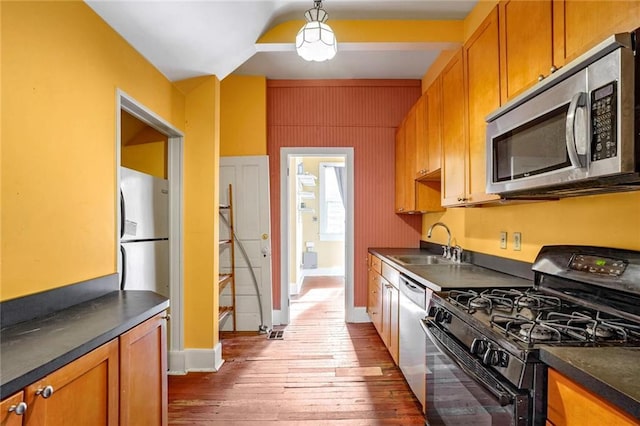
(413, 309)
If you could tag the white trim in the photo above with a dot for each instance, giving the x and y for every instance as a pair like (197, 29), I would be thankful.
(277, 317)
(322, 205)
(348, 153)
(125, 102)
(358, 315)
(209, 360)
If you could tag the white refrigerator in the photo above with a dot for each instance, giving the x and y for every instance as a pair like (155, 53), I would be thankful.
(144, 232)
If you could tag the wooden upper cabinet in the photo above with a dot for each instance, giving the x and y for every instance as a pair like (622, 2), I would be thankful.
(580, 25)
(401, 171)
(434, 124)
(422, 143)
(525, 44)
(482, 83)
(453, 133)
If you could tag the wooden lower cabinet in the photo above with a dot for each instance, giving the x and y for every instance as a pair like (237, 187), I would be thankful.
(383, 304)
(143, 374)
(569, 404)
(11, 412)
(84, 392)
(123, 382)
(374, 300)
(390, 313)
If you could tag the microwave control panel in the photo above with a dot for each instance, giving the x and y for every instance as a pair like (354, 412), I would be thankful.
(604, 102)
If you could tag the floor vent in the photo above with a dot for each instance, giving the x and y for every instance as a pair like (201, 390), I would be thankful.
(275, 335)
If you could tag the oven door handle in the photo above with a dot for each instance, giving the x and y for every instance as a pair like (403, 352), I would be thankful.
(463, 360)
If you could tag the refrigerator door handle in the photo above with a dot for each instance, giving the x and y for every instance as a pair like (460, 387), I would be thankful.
(122, 214)
(123, 278)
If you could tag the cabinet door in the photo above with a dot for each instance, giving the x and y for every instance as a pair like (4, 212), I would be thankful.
(84, 392)
(409, 162)
(453, 131)
(525, 44)
(143, 373)
(400, 170)
(482, 75)
(580, 25)
(570, 404)
(434, 124)
(11, 413)
(422, 144)
(394, 330)
(374, 301)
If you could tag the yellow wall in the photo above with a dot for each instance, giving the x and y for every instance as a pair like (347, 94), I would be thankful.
(243, 116)
(611, 220)
(201, 254)
(61, 66)
(148, 158)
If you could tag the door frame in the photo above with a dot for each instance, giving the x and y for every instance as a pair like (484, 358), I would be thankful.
(125, 102)
(348, 153)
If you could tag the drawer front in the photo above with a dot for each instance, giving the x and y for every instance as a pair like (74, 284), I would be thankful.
(376, 264)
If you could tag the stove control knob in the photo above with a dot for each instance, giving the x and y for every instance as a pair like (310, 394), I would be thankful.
(478, 347)
(442, 316)
(491, 357)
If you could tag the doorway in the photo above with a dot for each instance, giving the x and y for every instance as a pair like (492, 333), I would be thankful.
(149, 128)
(316, 220)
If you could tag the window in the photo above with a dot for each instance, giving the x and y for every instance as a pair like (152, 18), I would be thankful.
(332, 187)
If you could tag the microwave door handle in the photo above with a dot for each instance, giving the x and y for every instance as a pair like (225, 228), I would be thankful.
(577, 149)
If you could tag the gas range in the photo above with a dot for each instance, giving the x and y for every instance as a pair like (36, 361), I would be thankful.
(582, 296)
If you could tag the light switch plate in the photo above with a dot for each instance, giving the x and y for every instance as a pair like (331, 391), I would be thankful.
(503, 240)
(517, 241)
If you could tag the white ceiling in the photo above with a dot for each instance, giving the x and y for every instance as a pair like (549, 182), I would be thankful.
(189, 38)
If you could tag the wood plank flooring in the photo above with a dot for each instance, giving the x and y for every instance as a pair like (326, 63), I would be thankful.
(323, 372)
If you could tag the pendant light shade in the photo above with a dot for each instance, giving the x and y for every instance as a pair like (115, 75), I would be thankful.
(315, 40)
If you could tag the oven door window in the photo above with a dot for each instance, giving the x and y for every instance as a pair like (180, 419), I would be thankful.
(533, 148)
(455, 398)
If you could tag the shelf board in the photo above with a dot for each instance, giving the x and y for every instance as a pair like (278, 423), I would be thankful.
(224, 207)
(432, 176)
(223, 281)
(307, 195)
(307, 180)
(224, 311)
(223, 242)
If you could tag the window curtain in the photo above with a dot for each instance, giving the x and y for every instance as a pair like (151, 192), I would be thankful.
(341, 177)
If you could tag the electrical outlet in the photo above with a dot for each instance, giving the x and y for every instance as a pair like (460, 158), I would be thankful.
(517, 241)
(503, 240)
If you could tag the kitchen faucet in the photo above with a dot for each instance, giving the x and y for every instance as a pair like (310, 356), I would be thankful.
(447, 248)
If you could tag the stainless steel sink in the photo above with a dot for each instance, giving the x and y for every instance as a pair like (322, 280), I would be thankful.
(422, 259)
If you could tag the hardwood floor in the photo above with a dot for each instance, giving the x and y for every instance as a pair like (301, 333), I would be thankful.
(323, 372)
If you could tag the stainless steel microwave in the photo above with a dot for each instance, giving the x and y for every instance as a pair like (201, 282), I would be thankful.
(573, 133)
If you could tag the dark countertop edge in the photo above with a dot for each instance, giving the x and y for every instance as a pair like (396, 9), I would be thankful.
(19, 383)
(624, 402)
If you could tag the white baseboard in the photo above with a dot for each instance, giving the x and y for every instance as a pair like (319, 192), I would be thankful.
(182, 362)
(277, 317)
(357, 315)
(323, 272)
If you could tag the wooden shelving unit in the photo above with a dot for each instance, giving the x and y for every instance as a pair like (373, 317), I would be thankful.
(227, 279)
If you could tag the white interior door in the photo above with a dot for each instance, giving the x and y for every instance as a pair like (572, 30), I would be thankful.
(249, 177)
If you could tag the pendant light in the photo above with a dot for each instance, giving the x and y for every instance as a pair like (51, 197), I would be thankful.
(315, 40)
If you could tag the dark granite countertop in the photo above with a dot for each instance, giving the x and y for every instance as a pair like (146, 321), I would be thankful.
(611, 372)
(30, 350)
(447, 277)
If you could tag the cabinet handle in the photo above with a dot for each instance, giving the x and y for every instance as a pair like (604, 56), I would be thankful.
(462, 199)
(18, 409)
(167, 317)
(46, 392)
(553, 69)
(540, 77)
